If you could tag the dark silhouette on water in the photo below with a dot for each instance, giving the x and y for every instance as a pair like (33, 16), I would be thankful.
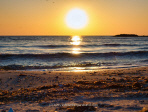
(126, 35)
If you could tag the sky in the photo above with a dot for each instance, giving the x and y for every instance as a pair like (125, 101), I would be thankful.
(47, 17)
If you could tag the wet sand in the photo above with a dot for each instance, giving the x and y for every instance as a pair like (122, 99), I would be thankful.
(102, 90)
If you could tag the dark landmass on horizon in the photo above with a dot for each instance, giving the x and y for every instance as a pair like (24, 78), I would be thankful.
(119, 35)
(129, 35)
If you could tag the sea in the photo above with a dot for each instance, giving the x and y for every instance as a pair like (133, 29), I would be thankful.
(72, 53)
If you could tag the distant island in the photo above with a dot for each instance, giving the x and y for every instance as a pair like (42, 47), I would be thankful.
(126, 35)
(130, 35)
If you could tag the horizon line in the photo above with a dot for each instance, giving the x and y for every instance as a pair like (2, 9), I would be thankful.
(68, 35)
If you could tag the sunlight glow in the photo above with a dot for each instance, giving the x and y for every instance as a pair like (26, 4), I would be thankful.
(76, 40)
(76, 19)
(76, 51)
(75, 43)
(79, 69)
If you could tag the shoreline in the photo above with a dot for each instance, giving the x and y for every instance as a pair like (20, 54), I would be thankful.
(75, 68)
(123, 89)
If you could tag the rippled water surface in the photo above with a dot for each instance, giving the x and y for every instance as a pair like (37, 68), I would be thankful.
(72, 52)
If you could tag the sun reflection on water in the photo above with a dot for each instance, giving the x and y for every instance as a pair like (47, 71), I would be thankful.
(76, 41)
(76, 50)
(76, 38)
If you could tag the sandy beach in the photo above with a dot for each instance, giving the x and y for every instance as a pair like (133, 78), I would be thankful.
(103, 90)
(73, 56)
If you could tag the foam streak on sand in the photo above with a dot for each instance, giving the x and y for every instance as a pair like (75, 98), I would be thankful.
(105, 90)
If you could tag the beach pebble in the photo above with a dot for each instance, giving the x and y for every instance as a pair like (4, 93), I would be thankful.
(10, 110)
(121, 80)
(57, 77)
(144, 102)
(3, 111)
(145, 85)
(10, 78)
(32, 111)
(82, 109)
(22, 75)
(11, 88)
(137, 85)
(117, 107)
(144, 110)
(44, 104)
(104, 105)
(60, 85)
(146, 81)
(120, 74)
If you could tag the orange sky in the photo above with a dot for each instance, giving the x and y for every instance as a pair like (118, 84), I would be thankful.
(46, 17)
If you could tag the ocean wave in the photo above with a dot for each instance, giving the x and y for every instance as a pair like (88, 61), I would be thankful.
(144, 60)
(86, 45)
(116, 45)
(58, 65)
(52, 46)
(144, 48)
(67, 55)
(70, 46)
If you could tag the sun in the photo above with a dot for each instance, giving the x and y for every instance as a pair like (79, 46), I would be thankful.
(76, 18)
